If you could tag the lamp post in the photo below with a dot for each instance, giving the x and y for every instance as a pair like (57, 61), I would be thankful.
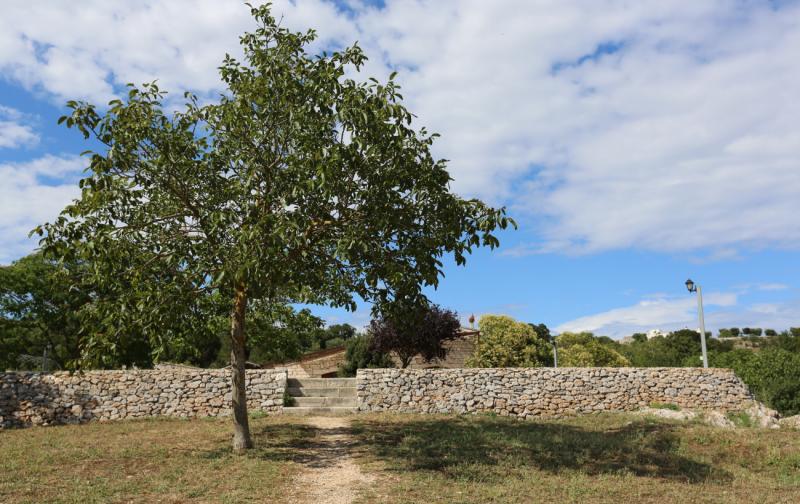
(693, 287)
(555, 353)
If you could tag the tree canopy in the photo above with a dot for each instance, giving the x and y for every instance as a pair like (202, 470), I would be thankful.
(414, 331)
(299, 183)
(505, 342)
(587, 350)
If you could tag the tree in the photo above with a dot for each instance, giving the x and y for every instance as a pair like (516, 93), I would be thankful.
(639, 338)
(359, 354)
(734, 331)
(410, 331)
(298, 184)
(336, 335)
(725, 333)
(770, 332)
(277, 333)
(586, 350)
(505, 342)
(39, 311)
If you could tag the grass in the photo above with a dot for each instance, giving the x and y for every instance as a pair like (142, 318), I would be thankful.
(159, 460)
(599, 458)
(430, 459)
(666, 406)
(741, 419)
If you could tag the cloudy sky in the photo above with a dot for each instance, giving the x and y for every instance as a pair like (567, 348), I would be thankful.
(636, 143)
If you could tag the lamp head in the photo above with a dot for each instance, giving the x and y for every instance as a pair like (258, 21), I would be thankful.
(690, 286)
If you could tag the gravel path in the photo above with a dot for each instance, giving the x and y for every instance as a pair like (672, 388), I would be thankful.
(330, 474)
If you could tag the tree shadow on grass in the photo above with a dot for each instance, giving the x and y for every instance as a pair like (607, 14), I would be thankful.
(293, 442)
(490, 448)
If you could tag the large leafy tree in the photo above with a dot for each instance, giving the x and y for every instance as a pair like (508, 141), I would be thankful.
(298, 183)
(505, 342)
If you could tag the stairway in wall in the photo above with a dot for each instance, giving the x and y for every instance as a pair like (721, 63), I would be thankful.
(321, 396)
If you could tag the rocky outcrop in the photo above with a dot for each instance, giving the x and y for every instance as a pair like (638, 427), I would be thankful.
(548, 392)
(45, 399)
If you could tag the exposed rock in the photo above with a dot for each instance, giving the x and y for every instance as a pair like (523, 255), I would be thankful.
(718, 419)
(792, 422)
(764, 417)
(668, 414)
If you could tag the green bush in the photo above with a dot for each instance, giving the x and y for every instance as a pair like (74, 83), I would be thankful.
(773, 375)
(359, 355)
(784, 396)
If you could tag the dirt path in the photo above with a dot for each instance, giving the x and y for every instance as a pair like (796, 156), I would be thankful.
(330, 474)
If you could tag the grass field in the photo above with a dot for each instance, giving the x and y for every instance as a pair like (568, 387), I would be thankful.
(601, 458)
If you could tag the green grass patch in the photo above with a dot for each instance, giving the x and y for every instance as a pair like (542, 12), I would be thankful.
(741, 419)
(666, 406)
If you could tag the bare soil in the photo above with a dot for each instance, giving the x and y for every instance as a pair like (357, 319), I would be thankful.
(329, 475)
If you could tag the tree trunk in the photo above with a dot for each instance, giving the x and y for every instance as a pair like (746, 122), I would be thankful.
(241, 427)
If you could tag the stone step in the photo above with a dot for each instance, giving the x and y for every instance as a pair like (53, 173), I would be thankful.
(321, 382)
(324, 401)
(319, 410)
(321, 392)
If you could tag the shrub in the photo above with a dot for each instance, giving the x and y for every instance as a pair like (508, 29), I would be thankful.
(784, 396)
(773, 375)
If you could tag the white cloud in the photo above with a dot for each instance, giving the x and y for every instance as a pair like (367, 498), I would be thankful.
(655, 312)
(606, 125)
(660, 311)
(32, 193)
(13, 133)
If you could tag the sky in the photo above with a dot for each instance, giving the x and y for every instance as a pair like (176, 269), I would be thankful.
(636, 143)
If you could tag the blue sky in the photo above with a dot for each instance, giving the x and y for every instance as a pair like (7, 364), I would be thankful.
(636, 144)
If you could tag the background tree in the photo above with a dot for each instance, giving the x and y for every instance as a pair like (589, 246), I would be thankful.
(770, 332)
(336, 335)
(505, 342)
(38, 311)
(734, 331)
(360, 354)
(586, 350)
(410, 331)
(277, 333)
(297, 184)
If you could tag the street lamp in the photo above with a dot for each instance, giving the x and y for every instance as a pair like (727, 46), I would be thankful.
(555, 352)
(693, 287)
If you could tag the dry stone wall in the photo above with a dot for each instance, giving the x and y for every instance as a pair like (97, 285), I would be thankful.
(45, 399)
(548, 392)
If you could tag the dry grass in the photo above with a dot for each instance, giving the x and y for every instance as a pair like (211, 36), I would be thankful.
(429, 459)
(163, 460)
(600, 458)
